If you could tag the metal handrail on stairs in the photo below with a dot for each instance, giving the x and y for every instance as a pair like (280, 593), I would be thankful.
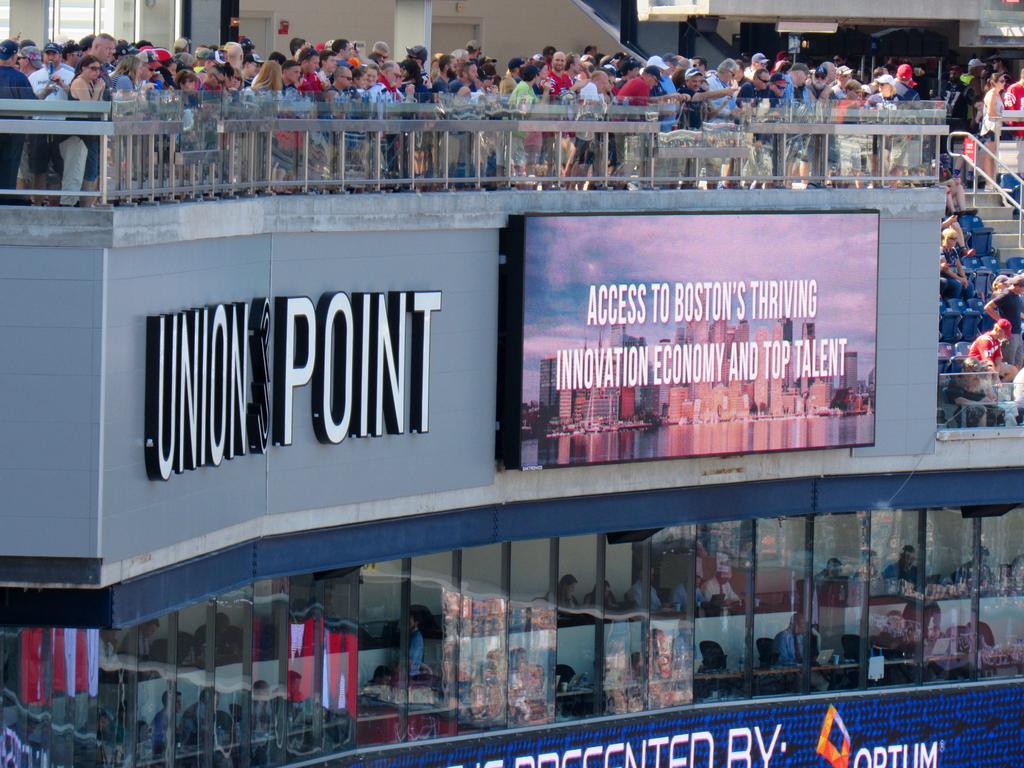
(1000, 168)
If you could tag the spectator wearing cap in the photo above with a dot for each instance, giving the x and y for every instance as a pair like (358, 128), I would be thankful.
(667, 86)
(988, 349)
(50, 82)
(757, 62)
(250, 67)
(30, 59)
(13, 85)
(905, 85)
(1007, 304)
(420, 54)
(693, 95)
(512, 76)
(822, 80)
(799, 91)
(843, 75)
(886, 91)
(723, 78)
(637, 91)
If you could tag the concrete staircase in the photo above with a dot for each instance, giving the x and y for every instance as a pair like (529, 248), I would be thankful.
(1005, 228)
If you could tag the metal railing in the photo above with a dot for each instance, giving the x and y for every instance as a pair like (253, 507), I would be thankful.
(157, 146)
(978, 400)
(1000, 168)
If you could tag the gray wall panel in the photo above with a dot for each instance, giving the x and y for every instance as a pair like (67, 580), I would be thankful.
(140, 515)
(50, 313)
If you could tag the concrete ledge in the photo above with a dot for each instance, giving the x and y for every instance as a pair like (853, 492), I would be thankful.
(181, 222)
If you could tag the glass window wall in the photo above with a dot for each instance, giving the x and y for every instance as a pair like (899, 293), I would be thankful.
(433, 623)
(232, 678)
(723, 571)
(525, 633)
(483, 655)
(840, 569)
(949, 557)
(1000, 636)
(158, 708)
(193, 748)
(784, 643)
(895, 602)
(580, 598)
(531, 633)
(670, 664)
(270, 649)
(304, 630)
(381, 703)
(341, 661)
(626, 607)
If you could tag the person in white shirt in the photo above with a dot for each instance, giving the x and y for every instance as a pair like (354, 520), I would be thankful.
(49, 82)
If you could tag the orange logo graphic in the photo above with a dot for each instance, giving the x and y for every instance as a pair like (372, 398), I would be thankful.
(837, 758)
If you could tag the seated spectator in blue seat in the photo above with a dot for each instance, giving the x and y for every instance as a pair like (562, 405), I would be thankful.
(953, 282)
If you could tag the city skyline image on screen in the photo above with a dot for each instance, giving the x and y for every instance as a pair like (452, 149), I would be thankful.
(686, 335)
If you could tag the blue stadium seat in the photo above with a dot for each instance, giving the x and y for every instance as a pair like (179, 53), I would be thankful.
(982, 279)
(949, 326)
(957, 305)
(971, 263)
(961, 349)
(969, 222)
(970, 321)
(1015, 263)
(981, 241)
(945, 356)
(991, 263)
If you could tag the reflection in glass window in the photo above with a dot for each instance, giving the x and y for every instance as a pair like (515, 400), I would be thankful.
(483, 657)
(381, 705)
(232, 679)
(579, 600)
(156, 712)
(304, 627)
(670, 664)
(116, 690)
(26, 714)
(531, 634)
(782, 644)
(341, 661)
(1000, 639)
(433, 621)
(77, 727)
(948, 629)
(895, 603)
(270, 636)
(195, 685)
(626, 604)
(840, 569)
(723, 574)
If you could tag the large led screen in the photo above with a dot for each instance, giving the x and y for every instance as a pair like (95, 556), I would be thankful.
(680, 335)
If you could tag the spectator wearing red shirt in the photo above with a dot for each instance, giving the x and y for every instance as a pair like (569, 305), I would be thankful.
(637, 91)
(988, 348)
(1013, 99)
(558, 77)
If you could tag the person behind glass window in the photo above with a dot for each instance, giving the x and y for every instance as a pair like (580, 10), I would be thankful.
(415, 642)
(904, 571)
(567, 592)
(718, 593)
